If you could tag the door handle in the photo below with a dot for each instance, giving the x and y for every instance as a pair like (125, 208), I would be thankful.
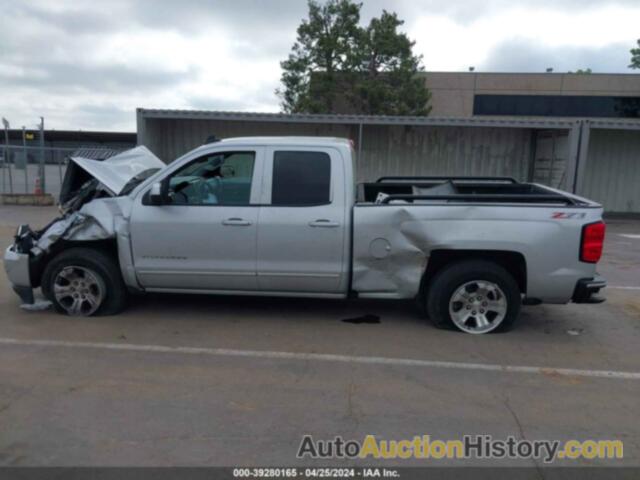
(323, 222)
(236, 222)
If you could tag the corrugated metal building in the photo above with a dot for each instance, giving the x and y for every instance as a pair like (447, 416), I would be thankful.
(599, 159)
(610, 171)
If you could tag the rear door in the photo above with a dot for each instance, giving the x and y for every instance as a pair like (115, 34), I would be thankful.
(301, 226)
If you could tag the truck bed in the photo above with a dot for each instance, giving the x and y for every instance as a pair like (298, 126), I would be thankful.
(399, 223)
(433, 190)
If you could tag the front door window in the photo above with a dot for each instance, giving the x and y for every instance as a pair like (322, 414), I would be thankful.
(218, 179)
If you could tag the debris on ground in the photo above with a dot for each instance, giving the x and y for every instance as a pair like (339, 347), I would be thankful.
(37, 306)
(368, 318)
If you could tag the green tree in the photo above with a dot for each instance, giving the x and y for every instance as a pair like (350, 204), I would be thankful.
(326, 43)
(387, 82)
(635, 57)
(338, 66)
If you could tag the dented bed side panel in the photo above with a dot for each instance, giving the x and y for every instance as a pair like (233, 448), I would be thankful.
(392, 244)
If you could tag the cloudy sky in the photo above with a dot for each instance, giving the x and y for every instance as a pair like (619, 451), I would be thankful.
(88, 64)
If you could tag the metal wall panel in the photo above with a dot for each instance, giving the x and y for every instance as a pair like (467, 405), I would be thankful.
(612, 175)
(386, 150)
(170, 138)
(392, 150)
(550, 164)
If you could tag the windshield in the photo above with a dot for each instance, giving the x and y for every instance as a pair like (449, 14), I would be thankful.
(137, 180)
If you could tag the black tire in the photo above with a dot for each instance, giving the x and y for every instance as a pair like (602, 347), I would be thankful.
(101, 264)
(449, 279)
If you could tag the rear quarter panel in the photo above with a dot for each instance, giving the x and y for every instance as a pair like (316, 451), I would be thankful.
(392, 244)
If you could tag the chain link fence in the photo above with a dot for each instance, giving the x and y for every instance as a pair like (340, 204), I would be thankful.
(38, 170)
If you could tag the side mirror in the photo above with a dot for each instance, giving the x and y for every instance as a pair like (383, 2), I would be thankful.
(155, 194)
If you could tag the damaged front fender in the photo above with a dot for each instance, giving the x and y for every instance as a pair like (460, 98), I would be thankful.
(94, 221)
(100, 219)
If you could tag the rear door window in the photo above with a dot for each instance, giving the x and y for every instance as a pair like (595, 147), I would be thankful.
(301, 178)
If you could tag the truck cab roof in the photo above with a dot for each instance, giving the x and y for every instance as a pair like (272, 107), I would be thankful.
(285, 140)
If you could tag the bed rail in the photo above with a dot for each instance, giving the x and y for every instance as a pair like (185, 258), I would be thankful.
(484, 197)
(446, 178)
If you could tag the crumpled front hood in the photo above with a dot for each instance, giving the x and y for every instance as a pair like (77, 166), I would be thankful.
(115, 172)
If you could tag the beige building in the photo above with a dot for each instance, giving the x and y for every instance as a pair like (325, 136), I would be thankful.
(466, 94)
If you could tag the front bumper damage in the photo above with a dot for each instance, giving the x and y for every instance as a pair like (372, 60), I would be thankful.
(587, 290)
(17, 267)
(94, 221)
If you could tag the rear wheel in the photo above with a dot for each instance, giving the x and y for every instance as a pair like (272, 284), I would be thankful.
(474, 296)
(84, 282)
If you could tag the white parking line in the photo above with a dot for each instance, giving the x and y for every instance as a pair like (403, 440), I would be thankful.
(629, 235)
(323, 357)
(615, 287)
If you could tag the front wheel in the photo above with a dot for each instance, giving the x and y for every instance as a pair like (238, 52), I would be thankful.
(474, 296)
(84, 282)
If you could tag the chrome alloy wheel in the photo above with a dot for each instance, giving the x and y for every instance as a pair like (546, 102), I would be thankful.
(78, 290)
(478, 306)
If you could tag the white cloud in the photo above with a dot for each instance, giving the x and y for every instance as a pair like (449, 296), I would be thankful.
(450, 44)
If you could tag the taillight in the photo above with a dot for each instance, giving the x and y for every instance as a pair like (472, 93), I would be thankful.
(592, 242)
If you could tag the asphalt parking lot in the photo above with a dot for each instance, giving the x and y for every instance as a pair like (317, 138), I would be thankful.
(199, 380)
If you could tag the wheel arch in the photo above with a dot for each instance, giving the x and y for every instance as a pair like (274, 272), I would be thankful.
(101, 260)
(513, 262)
(37, 267)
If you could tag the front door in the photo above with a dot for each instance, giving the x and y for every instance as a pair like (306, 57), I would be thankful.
(301, 230)
(205, 237)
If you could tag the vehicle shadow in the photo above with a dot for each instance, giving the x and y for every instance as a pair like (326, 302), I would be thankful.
(281, 307)
(363, 313)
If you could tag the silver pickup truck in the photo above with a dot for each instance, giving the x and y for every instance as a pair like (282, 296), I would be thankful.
(284, 216)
